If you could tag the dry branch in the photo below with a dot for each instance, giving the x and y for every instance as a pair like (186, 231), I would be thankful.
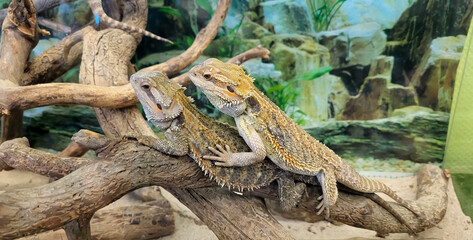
(22, 98)
(127, 165)
(51, 64)
(20, 33)
(40, 162)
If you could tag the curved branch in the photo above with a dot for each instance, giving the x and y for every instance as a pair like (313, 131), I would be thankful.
(257, 52)
(51, 64)
(27, 97)
(201, 41)
(127, 165)
(38, 161)
(89, 188)
(67, 93)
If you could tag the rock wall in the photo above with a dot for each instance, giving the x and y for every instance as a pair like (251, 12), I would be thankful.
(412, 133)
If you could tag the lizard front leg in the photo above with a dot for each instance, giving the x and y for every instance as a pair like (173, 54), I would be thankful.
(227, 158)
(328, 182)
(172, 144)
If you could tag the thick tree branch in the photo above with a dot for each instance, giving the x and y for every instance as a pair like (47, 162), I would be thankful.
(38, 161)
(20, 33)
(126, 165)
(27, 97)
(51, 64)
(89, 188)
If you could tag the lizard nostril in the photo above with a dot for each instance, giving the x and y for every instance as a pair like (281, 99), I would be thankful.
(145, 86)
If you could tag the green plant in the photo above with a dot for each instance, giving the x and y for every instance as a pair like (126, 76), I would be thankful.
(285, 94)
(183, 42)
(230, 40)
(322, 12)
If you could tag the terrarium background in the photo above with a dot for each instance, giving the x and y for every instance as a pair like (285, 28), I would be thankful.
(378, 83)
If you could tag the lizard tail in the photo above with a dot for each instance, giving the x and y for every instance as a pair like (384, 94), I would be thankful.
(357, 182)
(100, 15)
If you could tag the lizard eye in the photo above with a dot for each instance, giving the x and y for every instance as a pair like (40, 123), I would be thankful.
(159, 106)
(207, 76)
(230, 89)
(145, 86)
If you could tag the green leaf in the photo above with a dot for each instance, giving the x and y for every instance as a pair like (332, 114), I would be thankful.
(315, 73)
(205, 4)
(171, 11)
(276, 88)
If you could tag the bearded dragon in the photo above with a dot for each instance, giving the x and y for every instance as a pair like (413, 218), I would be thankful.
(189, 131)
(100, 15)
(269, 132)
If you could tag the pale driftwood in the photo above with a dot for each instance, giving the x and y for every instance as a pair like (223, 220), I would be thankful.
(20, 33)
(54, 25)
(51, 64)
(40, 162)
(28, 97)
(232, 214)
(128, 160)
(73, 150)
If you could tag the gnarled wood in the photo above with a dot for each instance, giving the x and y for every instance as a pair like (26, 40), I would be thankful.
(127, 165)
(22, 98)
(20, 33)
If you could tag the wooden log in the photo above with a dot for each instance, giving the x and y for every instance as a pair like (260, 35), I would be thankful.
(22, 98)
(20, 33)
(127, 160)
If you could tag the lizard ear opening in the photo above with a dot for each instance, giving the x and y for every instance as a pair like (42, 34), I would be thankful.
(145, 86)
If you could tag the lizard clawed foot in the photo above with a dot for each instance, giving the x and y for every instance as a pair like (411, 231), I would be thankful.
(224, 156)
(323, 206)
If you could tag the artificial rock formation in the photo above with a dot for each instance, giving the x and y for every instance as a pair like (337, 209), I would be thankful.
(435, 77)
(355, 45)
(411, 133)
(378, 97)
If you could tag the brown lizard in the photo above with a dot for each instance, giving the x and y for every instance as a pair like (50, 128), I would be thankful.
(100, 15)
(190, 131)
(269, 132)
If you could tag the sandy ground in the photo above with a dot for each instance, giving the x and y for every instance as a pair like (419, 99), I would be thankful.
(455, 224)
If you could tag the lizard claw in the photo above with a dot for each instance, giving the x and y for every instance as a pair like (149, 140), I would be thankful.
(223, 157)
(322, 206)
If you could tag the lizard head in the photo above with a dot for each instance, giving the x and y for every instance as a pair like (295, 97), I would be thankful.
(226, 85)
(156, 94)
